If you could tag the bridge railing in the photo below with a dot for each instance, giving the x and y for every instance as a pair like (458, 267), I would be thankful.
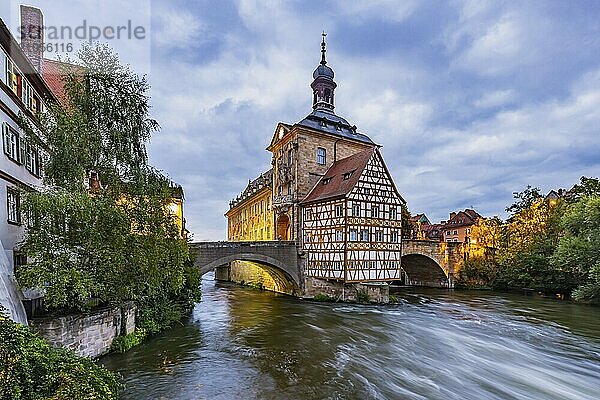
(226, 244)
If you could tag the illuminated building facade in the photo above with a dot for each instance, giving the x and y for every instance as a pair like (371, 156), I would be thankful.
(250, 217)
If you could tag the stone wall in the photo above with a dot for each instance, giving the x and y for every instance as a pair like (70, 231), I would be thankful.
(377, 292)
(87, 335)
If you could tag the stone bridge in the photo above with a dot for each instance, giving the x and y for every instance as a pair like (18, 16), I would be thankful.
(282, 255)
(428, 263)
(425, 263)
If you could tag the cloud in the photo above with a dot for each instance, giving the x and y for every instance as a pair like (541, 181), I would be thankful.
(495, 99)
(472, 100)
(177, 28)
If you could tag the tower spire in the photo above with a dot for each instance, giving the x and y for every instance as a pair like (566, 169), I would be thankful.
(323, 85)
(323, 50)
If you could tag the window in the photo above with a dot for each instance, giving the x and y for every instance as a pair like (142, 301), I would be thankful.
(356, 209)
(364, 235)
(11, 142)
(13, 78)
(394, 238)
(289, 187)
(367, 191)
(375, 212)
(393, 213)
(339, 235)
(339, 211)
(13, 205)
(308, 215)
(290, 156)
(325, 181)
(447, 232)
(347, 175)
(456, 232)
(327, 94)
(353, 235)
(321, 156)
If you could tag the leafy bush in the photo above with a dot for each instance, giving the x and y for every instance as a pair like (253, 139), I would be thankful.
(31, 369)
(362, 296)
(123, 343)
(323, 297)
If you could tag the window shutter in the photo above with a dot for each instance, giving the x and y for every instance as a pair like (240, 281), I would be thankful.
(22, 150)
(6, 138)
(3, 66)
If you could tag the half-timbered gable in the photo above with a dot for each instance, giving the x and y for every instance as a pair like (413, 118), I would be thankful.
(351, 222)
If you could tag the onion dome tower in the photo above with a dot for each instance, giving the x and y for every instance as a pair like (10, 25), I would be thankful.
(323, 85)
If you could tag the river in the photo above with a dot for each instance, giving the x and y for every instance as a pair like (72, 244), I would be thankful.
(242, 343)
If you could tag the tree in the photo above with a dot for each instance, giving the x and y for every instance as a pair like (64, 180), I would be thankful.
(115, 242)
(585, 188)
(524, 200)
(407, 225)
(578, 251)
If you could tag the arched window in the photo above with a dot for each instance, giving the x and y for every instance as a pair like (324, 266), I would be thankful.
(327, 94)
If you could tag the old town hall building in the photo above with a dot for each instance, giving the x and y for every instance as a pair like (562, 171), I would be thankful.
(329, 190)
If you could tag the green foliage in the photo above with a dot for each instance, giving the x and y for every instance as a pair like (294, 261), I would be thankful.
(550, 246)
(407, 225)
(586, 187)
(123, 343)
(362, 296)
(524, 200)
(393, 299)
(119, 241)
(31, 369)
(477, 273)
(323, 297)
(578, 251)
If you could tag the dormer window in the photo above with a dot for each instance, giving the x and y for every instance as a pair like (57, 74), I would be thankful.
(325, 181)
(347, 175)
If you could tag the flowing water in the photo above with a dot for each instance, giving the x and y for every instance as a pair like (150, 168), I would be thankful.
(246, 344)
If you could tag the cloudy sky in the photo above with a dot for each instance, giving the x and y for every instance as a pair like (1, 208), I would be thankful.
(471, 100)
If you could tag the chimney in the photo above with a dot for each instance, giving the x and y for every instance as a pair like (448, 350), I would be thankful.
(452, 215)
(32, 35)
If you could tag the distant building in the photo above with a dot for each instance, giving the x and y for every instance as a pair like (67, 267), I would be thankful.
(418, 222)
(432, 232)
(458, 227)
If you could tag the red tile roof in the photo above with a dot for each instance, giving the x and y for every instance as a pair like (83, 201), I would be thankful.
(333, 184)
(53, 71)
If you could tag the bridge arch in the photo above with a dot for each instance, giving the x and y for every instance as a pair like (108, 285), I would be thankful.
(272, 265)
(422, 270)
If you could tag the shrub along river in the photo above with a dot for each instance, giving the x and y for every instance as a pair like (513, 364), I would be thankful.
(434, 344)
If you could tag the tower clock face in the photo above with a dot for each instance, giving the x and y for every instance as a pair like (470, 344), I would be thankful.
(281, 132)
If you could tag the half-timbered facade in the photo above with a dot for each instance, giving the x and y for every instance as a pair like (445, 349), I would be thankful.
(352, 222)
